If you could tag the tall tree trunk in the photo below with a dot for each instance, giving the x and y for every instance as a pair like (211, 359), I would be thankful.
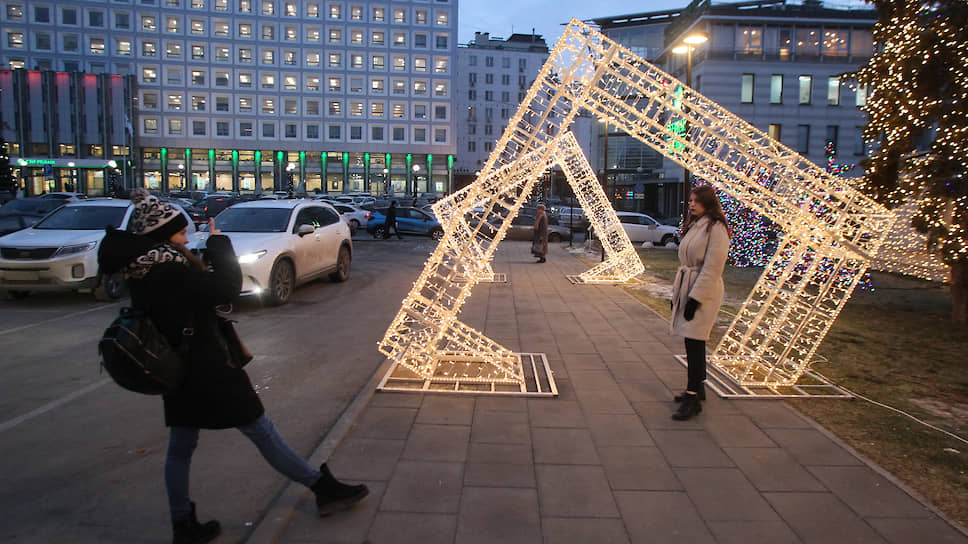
(959, 292)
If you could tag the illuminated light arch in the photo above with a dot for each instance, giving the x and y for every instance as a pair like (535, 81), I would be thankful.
(832, 229)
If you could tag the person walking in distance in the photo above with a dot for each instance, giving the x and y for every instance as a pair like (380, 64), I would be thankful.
(539, 243)
(180, 293)
(391, 222)
(697, 292)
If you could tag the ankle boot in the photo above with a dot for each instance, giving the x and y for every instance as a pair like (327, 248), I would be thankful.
(333, 495)
(682, 396)
(689, 407)
(189, 531)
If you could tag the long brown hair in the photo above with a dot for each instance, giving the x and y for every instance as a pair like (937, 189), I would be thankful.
(707, 198)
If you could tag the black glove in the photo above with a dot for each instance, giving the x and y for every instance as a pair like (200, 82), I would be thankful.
(690, 311)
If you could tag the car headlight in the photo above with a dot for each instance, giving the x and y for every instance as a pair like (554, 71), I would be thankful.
(73, 250)
(251, 257)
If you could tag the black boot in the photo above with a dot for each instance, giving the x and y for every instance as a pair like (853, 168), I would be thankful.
(689, 407)
(333, 495)
(682, 396)
(189, 531)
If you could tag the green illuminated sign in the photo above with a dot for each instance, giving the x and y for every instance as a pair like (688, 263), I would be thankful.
(36, 162)
(678, 127)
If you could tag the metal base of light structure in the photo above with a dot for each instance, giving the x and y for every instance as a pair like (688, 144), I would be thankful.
(496, 277)
(809, 386)
(449, 377)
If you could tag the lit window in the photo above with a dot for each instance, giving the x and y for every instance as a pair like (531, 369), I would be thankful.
(335, 11)
(245, 104)
(151, 126)
(356, 13)
(377, 62)
(174, 102)
(245, 30)
(268, 81)
(379, 15)
(97, 46)
(291, 9)
(292, 34)
(149, 75)
(376, 86)
(245, 80)
(312, 34)
(174, 127)
(172, 25)
(173, 50)
(335, 84)
(268, 7)
(289, 83)
(268, 105)
(198, 77)
(399, 15)
(377, 38)
(198, 52)
(148, 23)
(443, 17)
(312, 58)
(198, 103)
(198, 27)
(356, 109)
(376, 109)
(441, 65)
(16, 40)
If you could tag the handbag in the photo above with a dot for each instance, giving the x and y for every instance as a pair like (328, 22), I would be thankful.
(138, 356)
(239, 354)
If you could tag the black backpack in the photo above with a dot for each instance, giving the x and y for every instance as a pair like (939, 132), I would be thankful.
(139, 357)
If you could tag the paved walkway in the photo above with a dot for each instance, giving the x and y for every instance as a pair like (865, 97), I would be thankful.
(603, 462)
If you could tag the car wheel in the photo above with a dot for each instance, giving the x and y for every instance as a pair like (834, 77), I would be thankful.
(668, 239)
(342, 265)
(111, 287)
(282, 280)
(354, 224)
(379, 232)
(437, 234)
(17, 295)
(554, 237)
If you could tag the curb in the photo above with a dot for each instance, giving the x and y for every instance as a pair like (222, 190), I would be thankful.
(277, 517)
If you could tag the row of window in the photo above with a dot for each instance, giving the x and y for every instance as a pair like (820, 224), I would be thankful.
(176, 102)
(786, 42)
(69, 15)
(505, 62)
(489, 96)
(522, 80)
(831, 139)
(268, 56)
(311, 131)
(804, 90)
(173, 48)
(175, 76)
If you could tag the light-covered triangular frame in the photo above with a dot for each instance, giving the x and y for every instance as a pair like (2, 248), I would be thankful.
(832, 230)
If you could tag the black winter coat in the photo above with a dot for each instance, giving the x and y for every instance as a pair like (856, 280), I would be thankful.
(217, 393)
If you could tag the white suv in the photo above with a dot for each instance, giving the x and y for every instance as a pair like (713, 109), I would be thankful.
(642, 228)
(60, 252)
(283, 243)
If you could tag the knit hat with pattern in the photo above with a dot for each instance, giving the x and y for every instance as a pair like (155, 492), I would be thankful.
(155, 218)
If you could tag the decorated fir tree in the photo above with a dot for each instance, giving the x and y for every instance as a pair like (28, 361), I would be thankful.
(917, 108)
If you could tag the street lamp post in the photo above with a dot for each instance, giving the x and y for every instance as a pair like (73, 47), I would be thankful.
(181, 176)
(686, 47)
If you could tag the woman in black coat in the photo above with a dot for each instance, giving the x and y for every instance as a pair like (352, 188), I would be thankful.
(180, 294)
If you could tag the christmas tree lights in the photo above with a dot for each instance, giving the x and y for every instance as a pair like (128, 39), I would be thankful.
(917, 111)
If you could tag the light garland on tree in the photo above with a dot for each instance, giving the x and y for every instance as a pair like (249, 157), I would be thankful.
(918, 82)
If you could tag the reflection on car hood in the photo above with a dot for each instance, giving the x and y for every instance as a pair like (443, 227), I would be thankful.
(248, 242)
(50, 238)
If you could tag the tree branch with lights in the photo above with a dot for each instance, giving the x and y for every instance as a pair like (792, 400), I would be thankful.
(917, 111)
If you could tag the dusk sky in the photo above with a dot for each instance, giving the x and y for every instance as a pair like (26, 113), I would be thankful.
(503, 17)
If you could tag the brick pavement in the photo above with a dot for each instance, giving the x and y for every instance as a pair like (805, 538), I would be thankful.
(603, 462)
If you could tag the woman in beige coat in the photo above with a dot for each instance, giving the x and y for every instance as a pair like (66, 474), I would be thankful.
(697, 292)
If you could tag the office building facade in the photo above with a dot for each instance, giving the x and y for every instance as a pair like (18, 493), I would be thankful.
(494, 75)
(246, 95)
(777, 65)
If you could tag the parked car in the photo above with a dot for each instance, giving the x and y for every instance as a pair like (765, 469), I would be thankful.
(355, 217)
(24, 212)
(409, 221)
(210, 206)
(284, 243)
(522, 228)
(573, 218)
(60, 251)
(64, 196)
(642, 228)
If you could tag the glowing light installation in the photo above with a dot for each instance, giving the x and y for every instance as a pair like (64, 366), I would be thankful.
(832, 229)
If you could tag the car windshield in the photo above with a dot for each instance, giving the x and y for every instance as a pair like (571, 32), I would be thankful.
(83, 218)
(253, 220)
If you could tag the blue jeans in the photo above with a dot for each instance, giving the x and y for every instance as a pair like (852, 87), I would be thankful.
(261, 432)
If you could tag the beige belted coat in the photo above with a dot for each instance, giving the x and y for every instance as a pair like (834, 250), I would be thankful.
(702, 257)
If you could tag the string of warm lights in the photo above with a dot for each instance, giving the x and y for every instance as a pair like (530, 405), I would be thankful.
(831, 228)
(917, 109)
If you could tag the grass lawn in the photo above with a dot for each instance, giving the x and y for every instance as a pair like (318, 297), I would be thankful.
(894, 344)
